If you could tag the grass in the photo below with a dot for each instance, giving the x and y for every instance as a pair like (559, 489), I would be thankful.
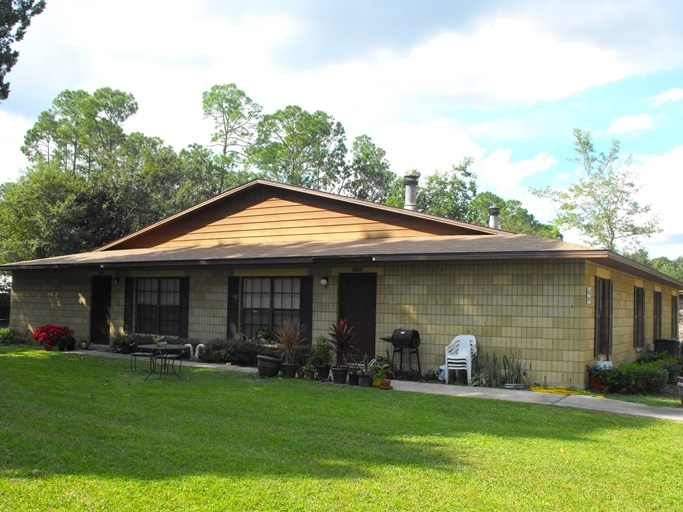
(83, 433)
(651, 400)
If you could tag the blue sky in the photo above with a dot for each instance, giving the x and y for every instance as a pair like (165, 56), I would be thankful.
(431, 81)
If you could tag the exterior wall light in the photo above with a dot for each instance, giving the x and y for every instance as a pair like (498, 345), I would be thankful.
(323, 281)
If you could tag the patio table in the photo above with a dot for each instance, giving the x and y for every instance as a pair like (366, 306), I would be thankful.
(161, 351)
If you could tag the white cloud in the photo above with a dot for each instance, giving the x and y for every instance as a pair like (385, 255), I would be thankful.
(428, 146)
(675, 94)
(630, 124)
(12, 130)
(662, 182)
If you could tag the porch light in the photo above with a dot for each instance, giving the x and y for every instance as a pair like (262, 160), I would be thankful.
(323, 281)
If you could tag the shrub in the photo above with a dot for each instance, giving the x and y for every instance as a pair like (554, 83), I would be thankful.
(303, 355)
(50, 335)
(239, 351)
(672, 365)
(127, 343)
(634, 378)
(9, 336)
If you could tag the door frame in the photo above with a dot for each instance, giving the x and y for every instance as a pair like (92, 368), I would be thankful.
(100, 307)
(370, 337)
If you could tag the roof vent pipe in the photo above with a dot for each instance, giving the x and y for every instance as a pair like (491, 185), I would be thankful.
(411, 192)
(494, 220)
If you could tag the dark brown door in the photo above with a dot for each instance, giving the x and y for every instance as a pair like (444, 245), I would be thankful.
(357, 305)
(100, 313)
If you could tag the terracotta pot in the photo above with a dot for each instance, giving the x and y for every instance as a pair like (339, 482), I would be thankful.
(386, 384)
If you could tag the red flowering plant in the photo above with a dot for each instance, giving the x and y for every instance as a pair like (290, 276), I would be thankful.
(50, 335)
(342, 338)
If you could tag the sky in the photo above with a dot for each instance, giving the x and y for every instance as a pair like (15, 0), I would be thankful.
(430, 81)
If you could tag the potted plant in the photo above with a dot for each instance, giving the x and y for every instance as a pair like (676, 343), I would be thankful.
(309, 370)
(513, 373)
(354, 373)
(365, 376)
(288, 336)
(268, 366)
(321, 356)
(379, 373)
(341, 338)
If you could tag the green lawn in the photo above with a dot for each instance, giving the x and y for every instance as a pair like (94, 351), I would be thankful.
(83, 433)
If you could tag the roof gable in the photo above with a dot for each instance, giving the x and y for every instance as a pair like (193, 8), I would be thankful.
(263, 211)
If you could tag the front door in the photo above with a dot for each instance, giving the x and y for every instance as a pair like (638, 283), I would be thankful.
(100, 312)
(357, 305)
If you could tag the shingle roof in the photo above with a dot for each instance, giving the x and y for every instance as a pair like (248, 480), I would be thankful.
(489, 244)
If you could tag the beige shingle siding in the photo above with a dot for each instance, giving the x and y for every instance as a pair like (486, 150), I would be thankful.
(42, 297)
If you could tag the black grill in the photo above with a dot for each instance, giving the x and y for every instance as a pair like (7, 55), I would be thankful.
(405, 339)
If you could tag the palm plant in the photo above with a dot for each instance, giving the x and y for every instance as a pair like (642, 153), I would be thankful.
(342, 337)
(288, 337)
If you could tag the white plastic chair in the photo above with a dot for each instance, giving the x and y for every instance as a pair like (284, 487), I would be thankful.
(459, 355)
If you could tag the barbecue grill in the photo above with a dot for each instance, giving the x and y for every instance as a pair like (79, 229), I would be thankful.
(405, 339)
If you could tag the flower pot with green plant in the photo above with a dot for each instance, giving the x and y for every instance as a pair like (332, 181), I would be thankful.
(288, 337)
(365, 375)
(354, 372)
(321, 357)
(514, 378)
(379, 373)
(309, 370)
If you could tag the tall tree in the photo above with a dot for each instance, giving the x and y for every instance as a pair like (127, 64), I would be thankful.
(368, 174)
(15, 17)
(81, 131)
(447, 194)
(602, 205)
(235, 117)
(513, 216)
(296, 147)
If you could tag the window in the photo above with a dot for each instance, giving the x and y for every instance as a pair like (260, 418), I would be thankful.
(269, 302)
(658, 316)
(264, 303)
(161, 305)
(603, 316)
(674, 317)
(638, 316)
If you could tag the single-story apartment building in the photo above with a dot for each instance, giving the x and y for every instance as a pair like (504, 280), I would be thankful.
(266, 252)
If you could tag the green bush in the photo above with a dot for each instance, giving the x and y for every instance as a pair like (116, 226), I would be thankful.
(672, 365)
(634, 378)
(127, 343)
(239, 351)
(9, 336)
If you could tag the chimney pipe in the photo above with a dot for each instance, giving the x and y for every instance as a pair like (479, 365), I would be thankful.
(494, 221)
(411, 192)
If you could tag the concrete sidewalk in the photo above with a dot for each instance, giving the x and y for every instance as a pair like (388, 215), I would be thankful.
(589, 403)
(586, 402)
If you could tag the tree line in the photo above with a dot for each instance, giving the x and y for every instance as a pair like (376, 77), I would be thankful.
(88, 182)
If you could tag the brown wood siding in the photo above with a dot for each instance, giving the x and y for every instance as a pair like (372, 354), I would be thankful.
(253, 218)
